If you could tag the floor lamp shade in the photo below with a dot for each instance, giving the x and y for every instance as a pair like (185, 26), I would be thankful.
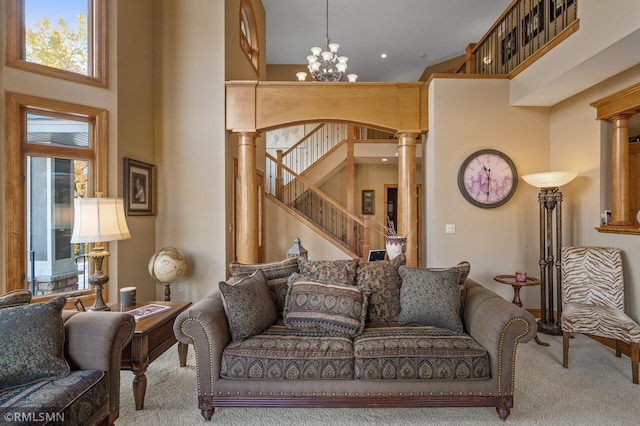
(98, 220)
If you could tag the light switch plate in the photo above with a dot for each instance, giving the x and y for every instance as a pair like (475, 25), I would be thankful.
(450, 228)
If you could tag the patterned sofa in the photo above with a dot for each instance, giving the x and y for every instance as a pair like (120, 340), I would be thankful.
(300, 333)
(61, 367)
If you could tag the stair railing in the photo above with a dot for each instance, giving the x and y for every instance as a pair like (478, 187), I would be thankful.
(300, 195)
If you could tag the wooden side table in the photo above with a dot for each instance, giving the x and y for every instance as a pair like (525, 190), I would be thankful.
(152, 337)
(517, 285)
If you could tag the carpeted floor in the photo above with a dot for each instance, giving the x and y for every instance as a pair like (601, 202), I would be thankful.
(595, 390)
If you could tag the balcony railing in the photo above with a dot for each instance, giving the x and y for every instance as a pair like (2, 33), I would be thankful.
(526, 29)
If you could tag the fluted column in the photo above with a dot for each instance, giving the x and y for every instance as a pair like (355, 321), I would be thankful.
(407, 208)
(247, 213)
(620, 195)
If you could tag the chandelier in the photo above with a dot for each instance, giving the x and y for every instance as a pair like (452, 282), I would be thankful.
(326, 65)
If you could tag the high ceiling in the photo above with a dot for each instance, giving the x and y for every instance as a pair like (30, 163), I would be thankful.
(415, 34)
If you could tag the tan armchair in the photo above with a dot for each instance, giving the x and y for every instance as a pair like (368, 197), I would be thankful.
(593, 300)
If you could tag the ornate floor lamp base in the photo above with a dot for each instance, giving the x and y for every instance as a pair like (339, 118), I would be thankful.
(551, 328)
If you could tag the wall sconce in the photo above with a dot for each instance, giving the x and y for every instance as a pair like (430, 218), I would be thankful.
(302, 76)
(352, 77)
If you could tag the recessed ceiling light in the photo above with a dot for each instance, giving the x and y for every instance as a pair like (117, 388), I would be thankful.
(383, 55)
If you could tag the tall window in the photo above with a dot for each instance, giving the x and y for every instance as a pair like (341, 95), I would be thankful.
(62, 39)
(249, 34)
(55, 152)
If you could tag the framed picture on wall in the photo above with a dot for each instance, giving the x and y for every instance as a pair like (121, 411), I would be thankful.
(368, 201)
(139, 188)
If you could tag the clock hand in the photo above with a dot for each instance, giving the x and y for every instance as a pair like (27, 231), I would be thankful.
(488, 182)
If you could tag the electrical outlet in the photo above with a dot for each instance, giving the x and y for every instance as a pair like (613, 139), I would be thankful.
(180, 287)
(450, 228)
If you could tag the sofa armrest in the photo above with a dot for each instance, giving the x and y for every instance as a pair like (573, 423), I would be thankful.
(204, 325)
(94, 341)
(498, 325)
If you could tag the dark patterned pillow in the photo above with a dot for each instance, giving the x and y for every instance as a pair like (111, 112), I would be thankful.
(464, 267)
(342, 271)
(32, 344)
(335, 309)
(248, 305)
(384, 281)
(277, 274)
(430, 297)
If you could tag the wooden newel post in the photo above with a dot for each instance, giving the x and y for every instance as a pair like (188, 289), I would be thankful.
(470, 59)
(366, 236)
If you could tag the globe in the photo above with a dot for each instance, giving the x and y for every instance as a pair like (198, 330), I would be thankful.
(167, 265)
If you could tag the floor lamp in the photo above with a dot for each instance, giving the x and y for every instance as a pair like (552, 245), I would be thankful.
(98, 220)
(550, 199)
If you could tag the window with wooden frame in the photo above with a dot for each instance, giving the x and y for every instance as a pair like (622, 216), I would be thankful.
(64, 40)
(249, 34)
(55, 151)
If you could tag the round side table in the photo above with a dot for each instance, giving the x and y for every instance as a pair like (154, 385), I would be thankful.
(517, 285)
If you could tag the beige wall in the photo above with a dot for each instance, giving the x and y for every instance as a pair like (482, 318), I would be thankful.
(190, 139)
(134, 85)
(466, 115)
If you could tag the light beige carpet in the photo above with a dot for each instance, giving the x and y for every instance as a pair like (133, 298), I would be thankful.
(595, 390)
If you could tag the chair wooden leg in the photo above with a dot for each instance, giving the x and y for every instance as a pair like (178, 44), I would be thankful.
(565, 349)
(635, 357)
(618, 348)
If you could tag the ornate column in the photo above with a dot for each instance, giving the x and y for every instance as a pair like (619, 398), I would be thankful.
(247, 213)
(620, 197)
(407, 209)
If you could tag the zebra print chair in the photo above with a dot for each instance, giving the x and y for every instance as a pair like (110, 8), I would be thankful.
(593, 300)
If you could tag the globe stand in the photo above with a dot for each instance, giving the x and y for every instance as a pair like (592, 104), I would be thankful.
(167, 292)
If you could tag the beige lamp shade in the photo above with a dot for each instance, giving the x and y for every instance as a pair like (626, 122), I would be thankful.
(549, 179)
(99, 220)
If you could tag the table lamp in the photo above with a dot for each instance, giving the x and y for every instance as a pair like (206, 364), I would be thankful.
(98, 220)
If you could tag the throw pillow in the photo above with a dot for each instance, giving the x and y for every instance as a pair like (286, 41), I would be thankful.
(430, 297)
(384, 281)
(464, 267)
(276, 273)
(342, 271)
(32, 344)
(248, 305)
(327, 308)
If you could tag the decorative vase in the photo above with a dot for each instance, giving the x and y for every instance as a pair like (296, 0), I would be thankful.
(396, 244)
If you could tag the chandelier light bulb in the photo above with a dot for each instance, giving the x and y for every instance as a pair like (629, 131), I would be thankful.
(315, 66)
(352, 78)
(302, 76)
(342, 59)
(316, 51)
(333, 47)
(312, 58)
(341, 66)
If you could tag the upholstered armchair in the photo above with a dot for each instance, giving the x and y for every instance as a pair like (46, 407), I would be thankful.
(593, 299)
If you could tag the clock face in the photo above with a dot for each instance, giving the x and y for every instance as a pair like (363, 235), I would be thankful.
(487, 178)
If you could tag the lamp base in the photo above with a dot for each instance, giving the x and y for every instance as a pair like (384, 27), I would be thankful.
(98, 304)
(551, 328)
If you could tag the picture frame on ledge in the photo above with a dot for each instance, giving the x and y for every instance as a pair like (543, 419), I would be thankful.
(139, 188)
